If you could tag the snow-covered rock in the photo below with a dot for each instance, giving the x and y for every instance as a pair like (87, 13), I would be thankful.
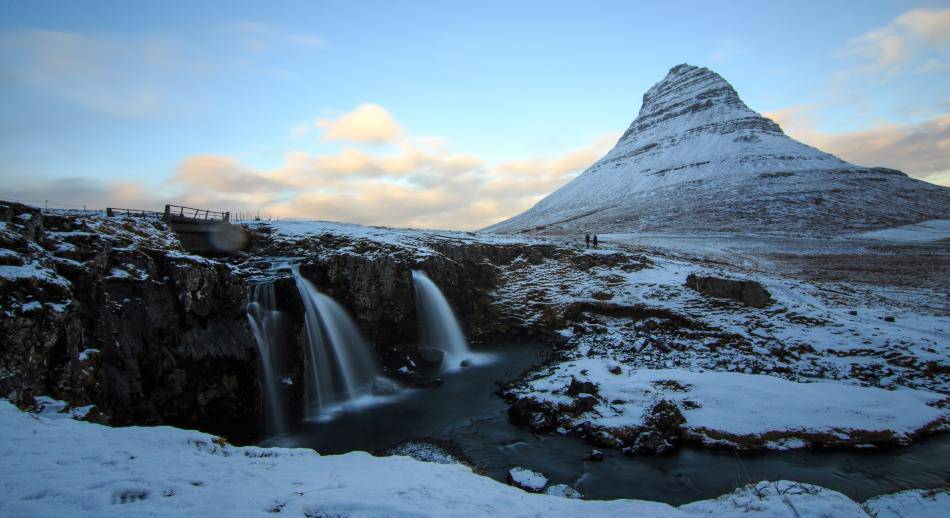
(697, 159)
(527, 479)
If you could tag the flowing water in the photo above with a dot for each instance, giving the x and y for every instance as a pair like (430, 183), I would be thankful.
(341, 368)
(438, 326)
(266, 323)
(481, 429)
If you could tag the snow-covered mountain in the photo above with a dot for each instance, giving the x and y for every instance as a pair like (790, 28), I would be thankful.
(697, 159)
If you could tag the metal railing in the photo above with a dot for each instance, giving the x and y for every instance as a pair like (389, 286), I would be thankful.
(194, 214)
(114, 211)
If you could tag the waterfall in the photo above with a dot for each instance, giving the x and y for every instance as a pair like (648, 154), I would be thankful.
(438, 325)
(266, 323)
(341, 367)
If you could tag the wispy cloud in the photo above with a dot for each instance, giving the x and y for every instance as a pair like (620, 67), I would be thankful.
(921, 150)
(919, 36)
(262, 38)
(121, 76)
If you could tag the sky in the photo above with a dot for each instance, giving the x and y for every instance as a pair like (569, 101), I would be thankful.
(430, 114)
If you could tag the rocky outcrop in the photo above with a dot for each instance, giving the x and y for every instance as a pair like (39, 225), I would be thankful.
(111, 312)
(750, 293)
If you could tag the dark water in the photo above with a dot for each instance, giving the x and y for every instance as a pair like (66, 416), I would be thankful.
(465, 410)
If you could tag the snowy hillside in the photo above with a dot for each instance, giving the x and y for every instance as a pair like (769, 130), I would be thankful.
(697, 159)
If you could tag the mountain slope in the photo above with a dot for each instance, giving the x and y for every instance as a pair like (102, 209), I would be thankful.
(697, 159)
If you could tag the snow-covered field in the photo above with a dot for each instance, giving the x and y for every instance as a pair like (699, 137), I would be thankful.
(54, 466)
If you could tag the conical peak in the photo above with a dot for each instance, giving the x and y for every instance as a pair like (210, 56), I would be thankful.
(687, 81)
(696, 93)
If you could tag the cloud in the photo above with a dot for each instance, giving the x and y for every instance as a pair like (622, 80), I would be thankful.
(137, 76)
(368, 122)
(921, 149)
(414, 182)
(121, 76)
(912, 36)
(224, 174)
(261, 38)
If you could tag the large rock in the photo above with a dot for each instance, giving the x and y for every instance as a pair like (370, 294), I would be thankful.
(429, 359)
(750, 293)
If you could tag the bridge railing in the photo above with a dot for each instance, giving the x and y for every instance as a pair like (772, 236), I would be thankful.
(195, 214)
(115, 211)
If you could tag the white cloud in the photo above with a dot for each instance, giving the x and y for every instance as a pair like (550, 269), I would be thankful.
(368, 122)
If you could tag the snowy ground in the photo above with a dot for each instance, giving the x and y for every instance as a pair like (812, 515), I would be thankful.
(55, 466)
(932, 230)
(729, 407)
(863, 331)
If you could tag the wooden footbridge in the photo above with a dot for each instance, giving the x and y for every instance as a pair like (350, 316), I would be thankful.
(200, 231)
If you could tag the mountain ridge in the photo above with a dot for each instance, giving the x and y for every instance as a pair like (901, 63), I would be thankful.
(697, 159)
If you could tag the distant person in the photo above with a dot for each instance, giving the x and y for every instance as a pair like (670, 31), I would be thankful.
(595, 240)
(587, 240)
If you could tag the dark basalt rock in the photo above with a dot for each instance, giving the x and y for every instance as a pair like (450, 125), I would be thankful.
(750, 293)
(162, 334)
(581, 387)
(428, 358)
(662, 430)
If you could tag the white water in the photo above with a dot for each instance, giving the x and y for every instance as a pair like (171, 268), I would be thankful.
(438, 326)
(266, 323)
(340, 366)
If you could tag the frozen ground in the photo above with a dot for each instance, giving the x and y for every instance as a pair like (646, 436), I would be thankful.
(54, 466)
(932, 230)
(729, 407)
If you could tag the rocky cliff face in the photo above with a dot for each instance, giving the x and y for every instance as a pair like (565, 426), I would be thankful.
(110, 312)
(373, 281)
(697, 159)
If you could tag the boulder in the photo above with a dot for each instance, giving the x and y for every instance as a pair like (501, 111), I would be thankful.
(429, 359)
(750, 293)
(563, 491)
(527, 480)
(581, 387)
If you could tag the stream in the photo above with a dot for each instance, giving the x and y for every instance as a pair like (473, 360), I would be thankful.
(466, 411)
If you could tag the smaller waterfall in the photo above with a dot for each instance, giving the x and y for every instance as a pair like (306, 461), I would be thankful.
(438, 325)
(266, 323)
(340, 365)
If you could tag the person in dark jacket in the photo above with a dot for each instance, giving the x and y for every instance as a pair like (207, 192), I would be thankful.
(595, 240)
(587, 240)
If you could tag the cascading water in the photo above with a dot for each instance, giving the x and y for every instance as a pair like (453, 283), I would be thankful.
(266, 323)
(341, 367)
(438, 325)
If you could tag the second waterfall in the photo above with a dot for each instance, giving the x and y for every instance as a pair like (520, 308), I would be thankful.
(341, 368)
(438, 326)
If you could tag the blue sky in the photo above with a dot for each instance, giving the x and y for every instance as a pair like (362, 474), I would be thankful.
(483, 107)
